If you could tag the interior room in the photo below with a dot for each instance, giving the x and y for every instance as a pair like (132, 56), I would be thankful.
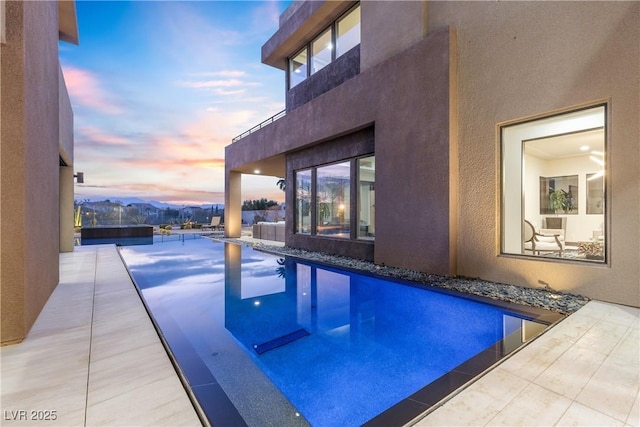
(561, 192)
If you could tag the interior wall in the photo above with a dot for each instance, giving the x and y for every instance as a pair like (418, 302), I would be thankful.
(580, 226)
(518, 60)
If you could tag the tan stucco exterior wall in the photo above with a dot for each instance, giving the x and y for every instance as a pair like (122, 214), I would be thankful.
(407, 23)
(65, 118)
(30, 172)
(521, 59)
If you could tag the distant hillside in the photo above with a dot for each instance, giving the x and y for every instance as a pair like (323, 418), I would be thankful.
(128, 200)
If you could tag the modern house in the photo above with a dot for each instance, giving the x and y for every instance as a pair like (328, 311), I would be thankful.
(36, 178)
(497, 140)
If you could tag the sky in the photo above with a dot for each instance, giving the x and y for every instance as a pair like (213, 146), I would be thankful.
(159, 88)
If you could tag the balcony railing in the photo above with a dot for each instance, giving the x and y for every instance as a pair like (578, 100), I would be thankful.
(260, 126)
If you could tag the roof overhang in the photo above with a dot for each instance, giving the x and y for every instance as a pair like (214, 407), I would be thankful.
(67, 21)
(273, 166)
(300, 28)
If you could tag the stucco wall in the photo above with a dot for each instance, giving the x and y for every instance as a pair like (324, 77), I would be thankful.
(66, 185)
(520, 59)
(406, 99)
(12, 183)
(387, 28)
(30, 164)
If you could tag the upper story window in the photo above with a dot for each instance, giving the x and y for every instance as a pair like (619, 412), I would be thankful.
(331, 43)
(321, 51)
(298, 68)
(348, 31)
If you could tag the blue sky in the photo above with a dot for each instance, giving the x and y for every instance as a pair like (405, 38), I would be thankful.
(158, 89)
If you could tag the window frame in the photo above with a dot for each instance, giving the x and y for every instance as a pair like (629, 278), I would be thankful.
(291, 72)
(297, 224)
(333, 28)
(337, 26)
(505, 176)
(352, 194)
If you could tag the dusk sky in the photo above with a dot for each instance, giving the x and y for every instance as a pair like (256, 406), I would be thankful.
(158, 89)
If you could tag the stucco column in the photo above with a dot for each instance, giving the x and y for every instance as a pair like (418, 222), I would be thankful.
(66, 209)
(232, 204)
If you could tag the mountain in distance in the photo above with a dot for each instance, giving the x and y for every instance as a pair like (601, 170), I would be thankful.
(128, 200)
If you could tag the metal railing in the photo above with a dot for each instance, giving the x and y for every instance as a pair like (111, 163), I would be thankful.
(260, 126)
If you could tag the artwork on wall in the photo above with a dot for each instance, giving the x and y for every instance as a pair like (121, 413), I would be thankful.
(595, 194)
(559, 195)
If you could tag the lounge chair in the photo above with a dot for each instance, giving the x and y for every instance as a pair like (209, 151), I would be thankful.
(215, 224)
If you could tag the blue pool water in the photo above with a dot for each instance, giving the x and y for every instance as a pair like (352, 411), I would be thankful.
(290, 342)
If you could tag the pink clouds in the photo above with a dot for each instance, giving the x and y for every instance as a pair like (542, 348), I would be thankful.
(99, 136)
(85, 89)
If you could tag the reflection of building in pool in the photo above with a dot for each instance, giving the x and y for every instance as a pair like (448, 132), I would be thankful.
(424, 134)
(317, 332)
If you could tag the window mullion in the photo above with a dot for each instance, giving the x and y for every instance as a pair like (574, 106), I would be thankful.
(314, 200)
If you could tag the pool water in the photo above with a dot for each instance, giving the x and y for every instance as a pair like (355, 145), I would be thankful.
(268, 340)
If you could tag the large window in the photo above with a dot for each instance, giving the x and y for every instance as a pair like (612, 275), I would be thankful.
(366, 198)
(303, 202)
(553, 186)
(321, 52)
(298, 68)
(325, 204)
(348, 31)
(333, 186)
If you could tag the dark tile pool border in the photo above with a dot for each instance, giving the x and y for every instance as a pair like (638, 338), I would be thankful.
(430, 395)
(214, 407)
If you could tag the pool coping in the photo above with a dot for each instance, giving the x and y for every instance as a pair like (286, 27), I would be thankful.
(214, 407)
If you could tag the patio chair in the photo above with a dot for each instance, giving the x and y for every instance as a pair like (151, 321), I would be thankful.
(537, 242)
(215, 224)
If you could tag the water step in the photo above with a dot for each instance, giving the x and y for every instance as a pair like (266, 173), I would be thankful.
(280, 341)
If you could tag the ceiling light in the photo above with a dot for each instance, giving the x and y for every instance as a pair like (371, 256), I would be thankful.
(256, 171)
(584, 148)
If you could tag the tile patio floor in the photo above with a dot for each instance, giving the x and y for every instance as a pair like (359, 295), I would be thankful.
(94, 357)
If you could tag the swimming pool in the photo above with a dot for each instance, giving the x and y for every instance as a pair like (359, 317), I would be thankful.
(268, 340)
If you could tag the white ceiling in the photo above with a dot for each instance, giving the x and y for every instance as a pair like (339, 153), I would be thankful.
(563, 146)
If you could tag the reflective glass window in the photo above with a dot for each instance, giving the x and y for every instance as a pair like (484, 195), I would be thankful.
(303, 202)
(333, 187)
(366, 198)
(298, 68)
(321, 51)
(348, 31)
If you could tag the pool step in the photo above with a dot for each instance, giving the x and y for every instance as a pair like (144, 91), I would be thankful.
(280, 341)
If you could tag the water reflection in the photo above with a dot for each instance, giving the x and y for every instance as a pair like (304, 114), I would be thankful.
(317, 333)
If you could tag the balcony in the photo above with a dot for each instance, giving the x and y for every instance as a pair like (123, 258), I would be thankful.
(260, 126)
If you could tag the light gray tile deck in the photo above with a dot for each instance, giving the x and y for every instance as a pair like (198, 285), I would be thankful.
(93, 355)
(584, 371)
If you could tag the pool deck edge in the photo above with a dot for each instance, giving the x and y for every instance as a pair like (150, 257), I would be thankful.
(93, 356)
